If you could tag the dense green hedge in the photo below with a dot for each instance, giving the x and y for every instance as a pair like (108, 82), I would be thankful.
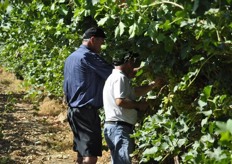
(188, 43)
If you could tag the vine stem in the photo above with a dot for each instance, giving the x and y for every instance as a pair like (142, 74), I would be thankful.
(161, 89)
(168, 2)
(199, 70)
(165, 157)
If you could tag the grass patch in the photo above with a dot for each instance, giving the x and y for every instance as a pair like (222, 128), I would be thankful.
(9, 82)
(50, 107)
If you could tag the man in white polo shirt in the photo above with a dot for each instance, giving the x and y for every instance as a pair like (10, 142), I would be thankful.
(121, 107)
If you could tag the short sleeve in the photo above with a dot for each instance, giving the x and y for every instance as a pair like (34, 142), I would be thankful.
(121, 88)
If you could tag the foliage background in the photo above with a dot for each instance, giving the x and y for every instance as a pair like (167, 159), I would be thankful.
(187, 43)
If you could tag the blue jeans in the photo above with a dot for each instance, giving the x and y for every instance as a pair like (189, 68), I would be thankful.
(120, 143)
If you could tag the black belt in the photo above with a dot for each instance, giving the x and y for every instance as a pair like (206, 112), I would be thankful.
(85, 107)
(120, 123)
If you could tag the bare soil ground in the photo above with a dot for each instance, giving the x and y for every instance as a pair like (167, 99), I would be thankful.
(32, 136)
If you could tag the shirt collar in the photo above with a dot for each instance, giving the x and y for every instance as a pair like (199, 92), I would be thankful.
(119, 71)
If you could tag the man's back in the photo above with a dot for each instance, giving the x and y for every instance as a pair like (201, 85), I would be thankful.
(84, 77)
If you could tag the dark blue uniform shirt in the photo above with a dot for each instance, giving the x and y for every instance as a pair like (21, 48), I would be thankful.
(85, 73)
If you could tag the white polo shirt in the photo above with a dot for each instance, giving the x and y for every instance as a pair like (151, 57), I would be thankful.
(118, 86)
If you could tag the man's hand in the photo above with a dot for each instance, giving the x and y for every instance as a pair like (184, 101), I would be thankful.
(157, 83)
(142, 105)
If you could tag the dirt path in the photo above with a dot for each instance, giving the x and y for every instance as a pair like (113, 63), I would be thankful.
(29, 138)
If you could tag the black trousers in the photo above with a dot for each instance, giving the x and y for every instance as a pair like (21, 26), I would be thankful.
(86, 126)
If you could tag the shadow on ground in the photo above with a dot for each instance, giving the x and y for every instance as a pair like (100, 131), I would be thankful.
(25, 136)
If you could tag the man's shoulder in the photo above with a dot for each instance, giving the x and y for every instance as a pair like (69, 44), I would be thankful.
(118, 73)
(116, 76)
(78, 53)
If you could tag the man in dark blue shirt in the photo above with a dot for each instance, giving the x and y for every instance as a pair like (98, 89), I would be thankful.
(85, 73)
